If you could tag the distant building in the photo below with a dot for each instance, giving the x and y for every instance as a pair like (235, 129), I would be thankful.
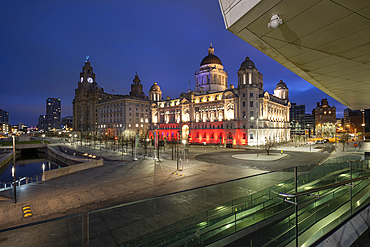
(53, 112)
(41, 125)
(297, 119)
(4, 116)
(325, 119)
(5, 128)
(21, 127)
(67, 122)
(87, 96)
(125, 114)
(353, 120)
(309, 124)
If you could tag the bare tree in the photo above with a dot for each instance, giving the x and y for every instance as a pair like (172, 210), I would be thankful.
(344, 139)
(269, 144)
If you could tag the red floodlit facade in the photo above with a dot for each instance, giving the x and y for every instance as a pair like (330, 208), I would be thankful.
(216, 113)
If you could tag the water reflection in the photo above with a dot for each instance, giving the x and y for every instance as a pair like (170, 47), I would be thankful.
(28, 169)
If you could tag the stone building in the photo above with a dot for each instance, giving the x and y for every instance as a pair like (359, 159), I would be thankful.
(87, 95)
(217, 114)
(325, 119)
(125, 114)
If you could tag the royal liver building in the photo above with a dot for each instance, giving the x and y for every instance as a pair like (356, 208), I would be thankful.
(218, 113)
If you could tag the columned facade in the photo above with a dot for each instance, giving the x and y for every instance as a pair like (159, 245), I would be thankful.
(216, 114)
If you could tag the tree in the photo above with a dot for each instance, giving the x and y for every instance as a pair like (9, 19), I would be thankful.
(269, 144)
(344, 139)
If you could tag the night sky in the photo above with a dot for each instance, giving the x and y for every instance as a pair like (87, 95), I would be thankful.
(43, 46)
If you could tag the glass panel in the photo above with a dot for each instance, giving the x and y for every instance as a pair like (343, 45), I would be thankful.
(66, 231)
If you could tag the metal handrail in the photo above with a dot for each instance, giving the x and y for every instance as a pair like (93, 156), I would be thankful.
(329, 186)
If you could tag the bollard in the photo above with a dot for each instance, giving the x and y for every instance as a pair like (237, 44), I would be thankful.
(26, 180)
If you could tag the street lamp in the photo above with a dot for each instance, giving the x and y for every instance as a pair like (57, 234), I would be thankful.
(184, 142)
(260, 118)
(13, 171)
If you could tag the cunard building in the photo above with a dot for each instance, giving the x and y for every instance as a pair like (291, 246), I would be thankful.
(215, 113)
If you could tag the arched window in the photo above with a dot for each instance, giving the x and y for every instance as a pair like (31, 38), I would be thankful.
(197, 134)
(220, 135)
(204, 134)
(212, 135)
(229, 135)
(244, 136)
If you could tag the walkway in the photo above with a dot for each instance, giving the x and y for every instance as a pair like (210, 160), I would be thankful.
(119, 181)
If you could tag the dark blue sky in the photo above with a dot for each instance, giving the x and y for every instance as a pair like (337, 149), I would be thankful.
(43, 46)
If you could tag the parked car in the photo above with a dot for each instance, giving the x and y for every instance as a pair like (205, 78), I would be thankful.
(326, 140)
(319, 142)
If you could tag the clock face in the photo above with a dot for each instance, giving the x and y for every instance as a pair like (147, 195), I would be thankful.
(89, 79)
(82, 79)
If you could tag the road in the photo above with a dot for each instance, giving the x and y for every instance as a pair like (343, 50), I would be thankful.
(293, 158)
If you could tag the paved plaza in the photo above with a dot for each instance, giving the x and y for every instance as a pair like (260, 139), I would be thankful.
(121, 180)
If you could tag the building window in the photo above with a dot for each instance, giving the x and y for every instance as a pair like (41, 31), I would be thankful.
(251, 95)
(251, 114)
(243, 103)
(244, 136)
(212, 135)
(251, 136)
(204, 135)
(251, 104)
(243, 94)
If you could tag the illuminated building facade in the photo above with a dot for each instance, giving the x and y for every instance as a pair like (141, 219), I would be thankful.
(125, 114)
(325, 119)
(216, 113)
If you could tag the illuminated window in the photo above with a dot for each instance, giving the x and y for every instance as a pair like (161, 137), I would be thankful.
(212, 135)
(204, 135)
(220, 136)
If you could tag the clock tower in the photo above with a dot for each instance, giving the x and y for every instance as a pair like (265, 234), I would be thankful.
(87, 95)
(87, 74)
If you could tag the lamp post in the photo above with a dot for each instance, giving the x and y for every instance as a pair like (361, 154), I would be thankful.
(363, 123)
(184, 142)
(13, 171)
(252, 118)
